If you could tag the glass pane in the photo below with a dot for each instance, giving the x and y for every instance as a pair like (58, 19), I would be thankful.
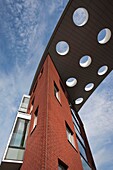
(19, 135)
(79, 136)
(24, 105)
(25, 100)
(75, 123)
(27, 130)
(15, 154)
(61, 167)
(74, 115)
(82, 150)
(85, 165)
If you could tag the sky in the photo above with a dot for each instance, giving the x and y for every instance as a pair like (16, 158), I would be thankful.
(25, 29)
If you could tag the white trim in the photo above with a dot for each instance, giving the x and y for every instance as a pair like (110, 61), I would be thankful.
(12, 161)
(19, 115)
(24, 115)
(9, 139)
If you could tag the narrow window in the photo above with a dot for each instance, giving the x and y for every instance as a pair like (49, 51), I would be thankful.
(62, 165)
(32, 104)
(35, 87)
(70, 135)
(25, 103)
(35, 118)
(41, 72)
(56, 92)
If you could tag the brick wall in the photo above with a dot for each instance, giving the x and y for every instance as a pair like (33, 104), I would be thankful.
(48, 141)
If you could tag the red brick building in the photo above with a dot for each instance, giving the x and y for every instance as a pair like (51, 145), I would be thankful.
(76, 60)
(56, 137)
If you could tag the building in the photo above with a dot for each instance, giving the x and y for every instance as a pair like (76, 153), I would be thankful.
(78, 57)
(56, 136)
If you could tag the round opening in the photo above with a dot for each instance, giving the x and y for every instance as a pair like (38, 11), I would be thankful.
(104, 36)
(85, 61)
(89, 86)
(71, 82)
(102, 70)
(79, 100)
(62, 48)
(80, 16)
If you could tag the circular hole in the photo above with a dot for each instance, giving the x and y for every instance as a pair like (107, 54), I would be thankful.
(71, 82)
(102, 70)
(85, 61)
(80, 16)
(104, 36)
(62, 48)
(89, 86)
(79, 100)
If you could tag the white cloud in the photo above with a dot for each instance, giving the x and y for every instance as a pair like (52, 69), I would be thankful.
(12, 87)
(26, 28)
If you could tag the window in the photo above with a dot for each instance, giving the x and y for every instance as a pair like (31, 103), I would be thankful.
(17, 144)
(82, 150)
(56, 92)
(35, 87)
(85, 164)
(62, 165)
(35, 118)
(19, 135)
(32, 104)
(77, 129)
(25, 102)
(70, 135)
(41, 72)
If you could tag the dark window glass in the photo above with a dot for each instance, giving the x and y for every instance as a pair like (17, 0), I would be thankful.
(62, 165)
(35, 87)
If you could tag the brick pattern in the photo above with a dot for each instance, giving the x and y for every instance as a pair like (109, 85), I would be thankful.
(48, 141)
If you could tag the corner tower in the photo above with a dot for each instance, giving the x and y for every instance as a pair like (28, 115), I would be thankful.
(56, 137)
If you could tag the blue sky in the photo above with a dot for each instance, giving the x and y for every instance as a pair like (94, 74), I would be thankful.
(25, 29)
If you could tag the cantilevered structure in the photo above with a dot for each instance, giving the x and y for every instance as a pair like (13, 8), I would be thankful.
(82, 30)
(77, 58)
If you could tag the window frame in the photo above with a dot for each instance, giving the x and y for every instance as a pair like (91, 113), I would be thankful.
(62, 165)
(35, 119)
(70, 136)
(32, 105)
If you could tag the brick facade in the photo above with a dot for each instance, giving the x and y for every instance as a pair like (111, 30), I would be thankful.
(48, 142)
